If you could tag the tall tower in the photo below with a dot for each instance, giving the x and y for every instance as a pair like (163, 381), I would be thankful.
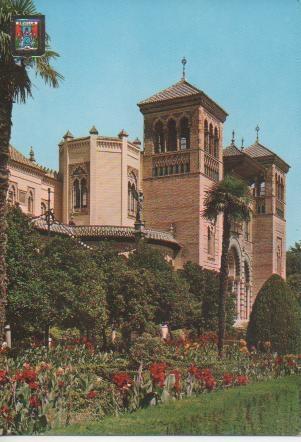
(269, 224)
(183, 133)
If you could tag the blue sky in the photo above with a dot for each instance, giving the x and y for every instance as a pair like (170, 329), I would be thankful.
(244, 54)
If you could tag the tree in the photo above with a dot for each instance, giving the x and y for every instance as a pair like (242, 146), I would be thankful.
(276, 317)
(28, 307)
(174, 302)
(293, 269)
(231, 198)
(51, 282)
(204, 284)
(293, 259)
(15, 85)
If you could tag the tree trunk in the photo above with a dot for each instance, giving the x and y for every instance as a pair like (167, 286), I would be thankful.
(223, 283)
(6, 104)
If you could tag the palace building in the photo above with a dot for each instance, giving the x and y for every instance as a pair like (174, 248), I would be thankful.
(92, 194)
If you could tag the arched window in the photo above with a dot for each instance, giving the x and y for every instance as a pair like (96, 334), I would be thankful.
(84, 193)
(210, 241)
(30, 202)
(211, 140)
(76, 194)
(159, 137)
(12, 195)
(216, 142)
(253, 189)
(184, 134)
(171, 136)
(132, 188)
(262, 188)
(206, 136)
(43, 208)
(279, 255)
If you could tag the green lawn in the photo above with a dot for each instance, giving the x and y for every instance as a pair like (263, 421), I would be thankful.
(265, 408)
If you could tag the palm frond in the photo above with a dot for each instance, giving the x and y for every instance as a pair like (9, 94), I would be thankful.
(22, 84)
(45, 70)
(24, 7)
(230, 195)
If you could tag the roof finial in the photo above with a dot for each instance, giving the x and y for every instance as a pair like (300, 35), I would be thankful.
(184, 61)
(242, 144)
(31, 155)
(233, 138)
(257, 128)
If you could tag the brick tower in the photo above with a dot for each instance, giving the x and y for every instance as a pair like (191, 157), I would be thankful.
(183, 132)
(269, 225)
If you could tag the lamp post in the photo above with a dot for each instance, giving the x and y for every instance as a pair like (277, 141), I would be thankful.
(49, 214)
(139, 224)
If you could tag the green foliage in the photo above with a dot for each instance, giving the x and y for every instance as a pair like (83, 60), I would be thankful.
(204, 284)
(28, 308)
(293, 269)
(231, 196)
(171, 296)
(147, 349)
(51, 282)
(276, 317)
(267, 408)
(293, 259)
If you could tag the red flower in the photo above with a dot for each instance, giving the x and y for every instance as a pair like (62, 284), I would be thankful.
(157, 372)
(3, 377)
(228, 379)
(177, 375)
(92, 394)
(242, 380)
(291, 363)
(33, 385)
(122, 380)
(29, 375)
(4, 410)
(34, 402)
(193, 369)
(210, 383)
(279, 360)
(61, 384)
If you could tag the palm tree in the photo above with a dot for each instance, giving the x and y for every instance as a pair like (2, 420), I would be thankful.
(15, 86)
(230, 197)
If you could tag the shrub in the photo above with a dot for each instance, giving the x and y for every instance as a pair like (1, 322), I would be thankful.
(147, 349)
(275, 318)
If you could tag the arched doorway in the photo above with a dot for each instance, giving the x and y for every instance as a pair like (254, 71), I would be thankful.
(248, 292)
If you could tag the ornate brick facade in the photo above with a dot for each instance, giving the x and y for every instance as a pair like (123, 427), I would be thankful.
(92, 195)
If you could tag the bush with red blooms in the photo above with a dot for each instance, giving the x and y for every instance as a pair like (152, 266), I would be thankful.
(208, 338)
(3, 377)
(158, 373)
(122, 380)
(92, 394)
(228, 379)
(33, 394)
(204, 375)
(34, 402)
(242, 380)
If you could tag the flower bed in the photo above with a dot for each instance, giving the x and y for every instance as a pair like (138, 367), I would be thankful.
(43, 389)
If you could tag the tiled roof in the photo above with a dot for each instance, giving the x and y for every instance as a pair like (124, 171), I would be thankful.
(113, 232)
(258, 150)
(18, 157)
(180, 89)
(231, 151)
